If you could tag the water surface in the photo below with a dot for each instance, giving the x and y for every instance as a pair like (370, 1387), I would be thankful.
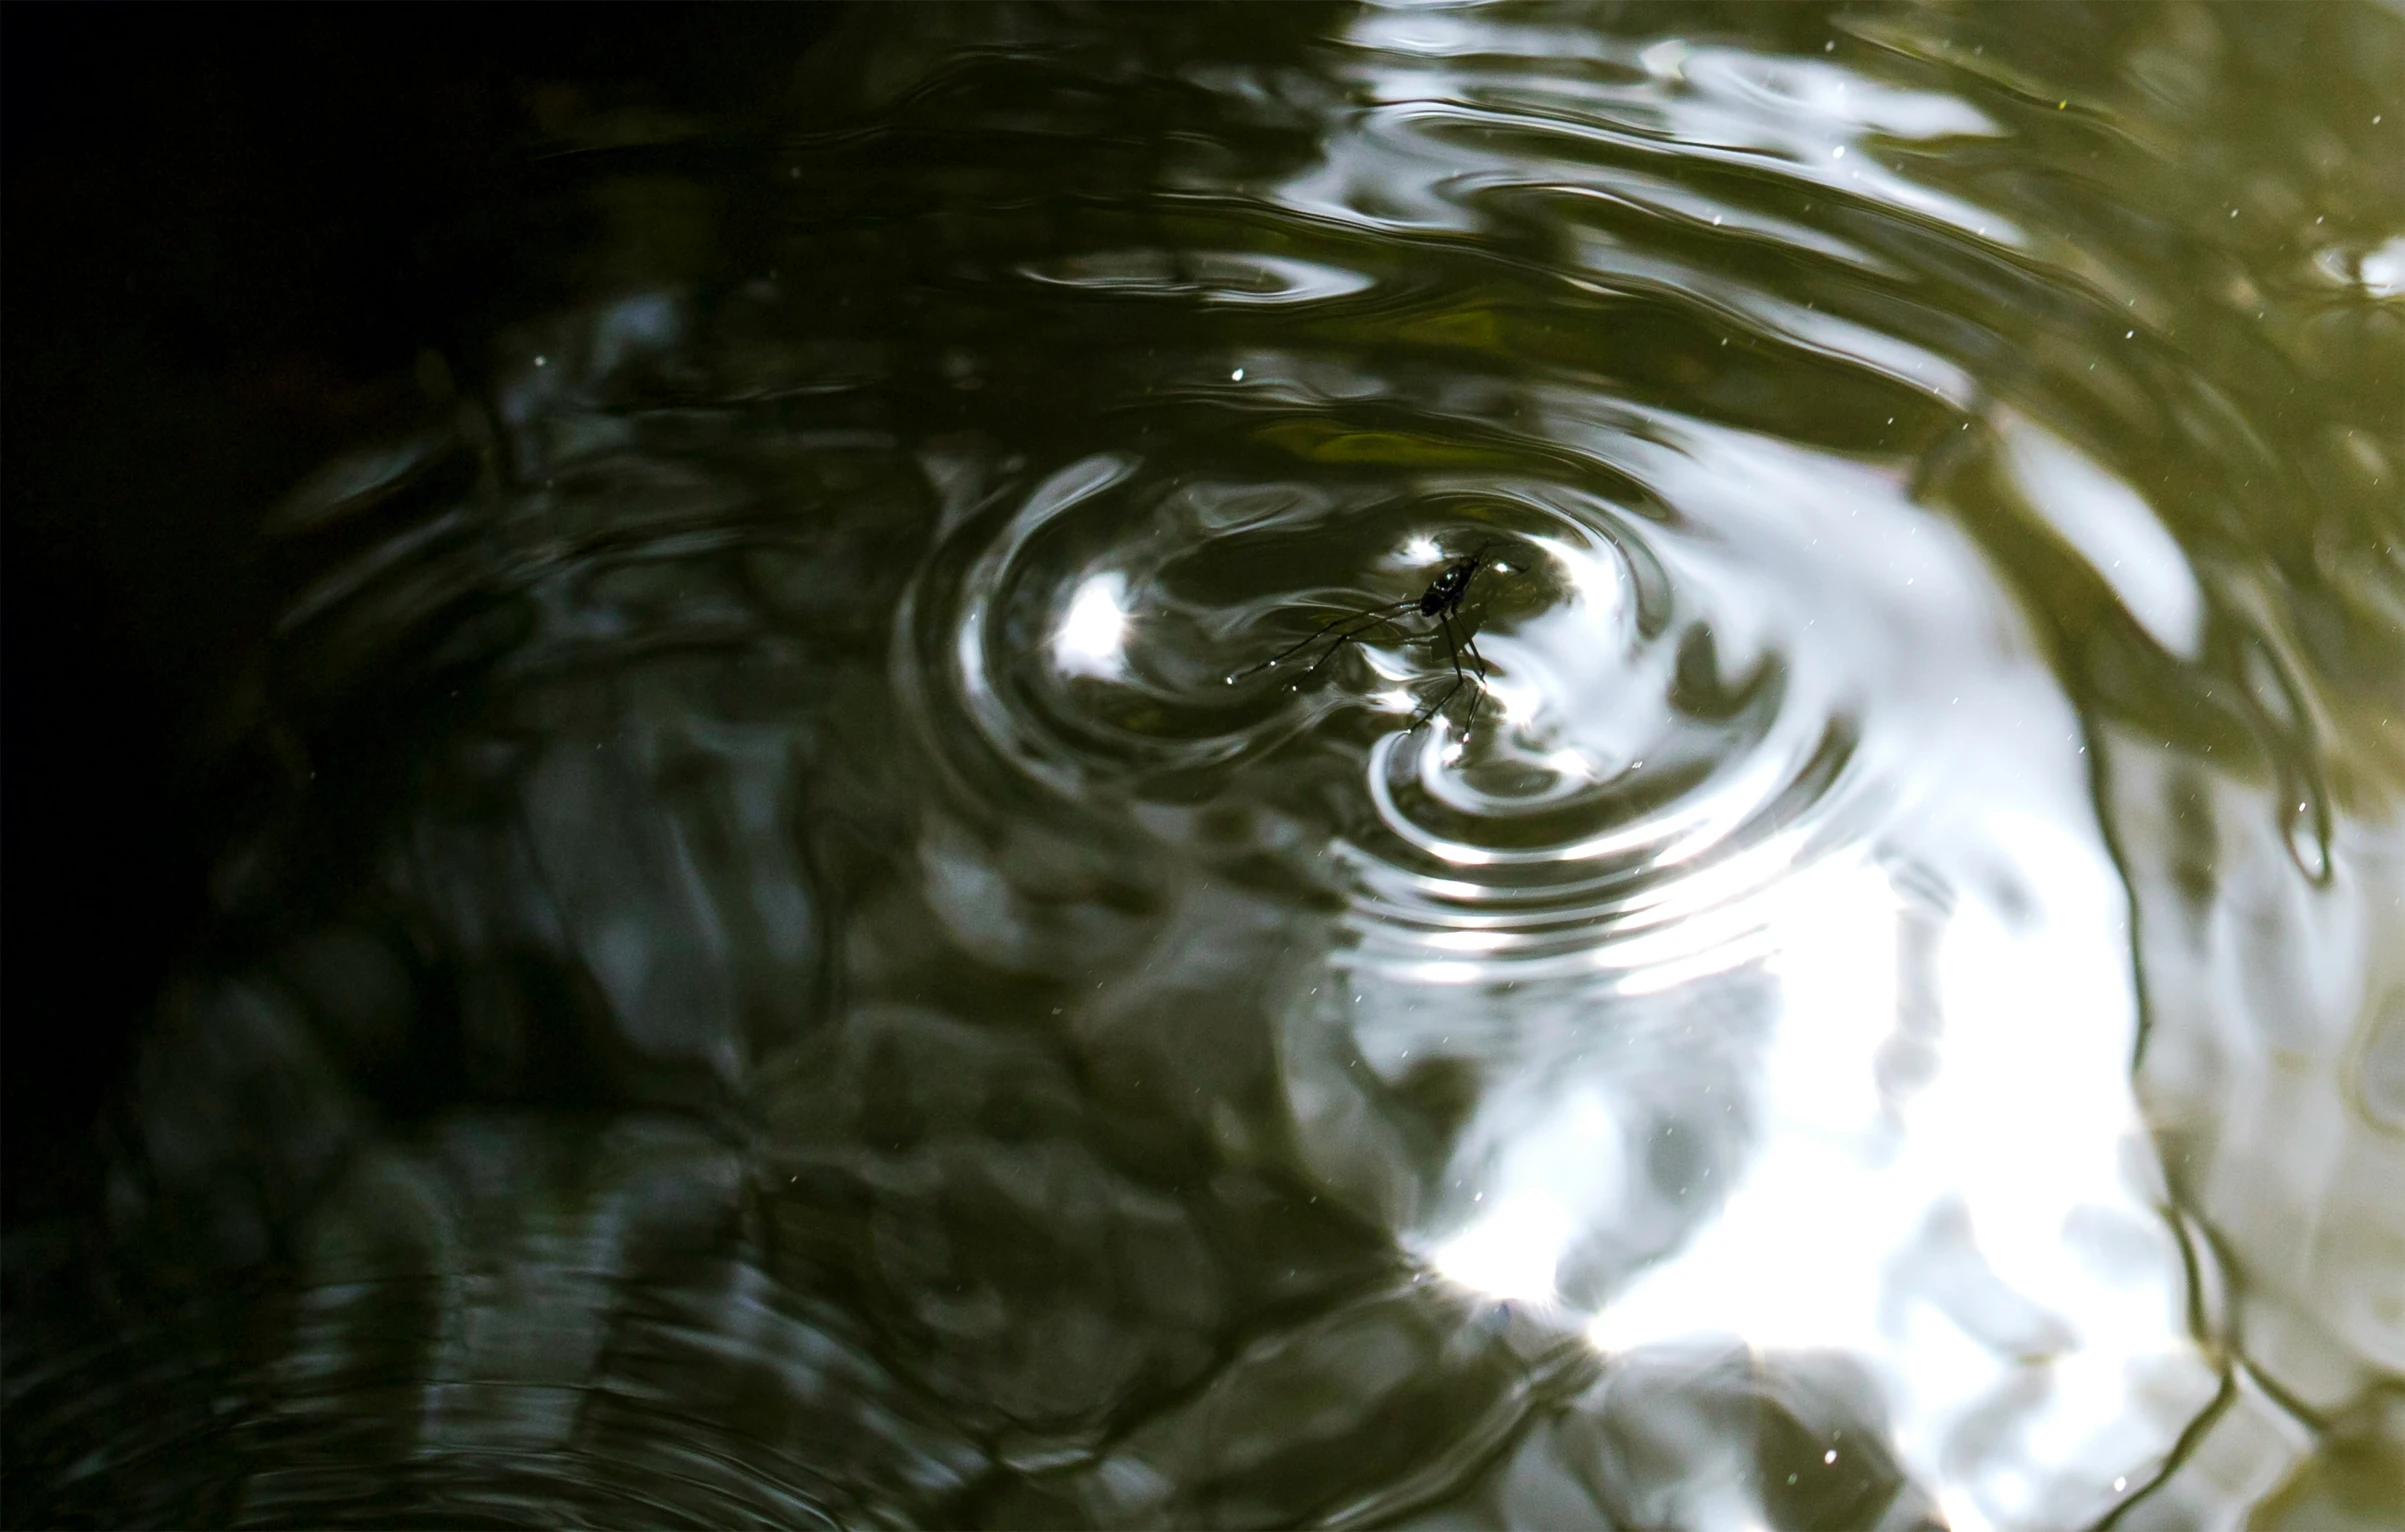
(782, 971)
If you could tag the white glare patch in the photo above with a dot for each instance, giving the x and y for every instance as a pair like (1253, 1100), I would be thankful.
(1597, 581)
(1512, 1252)
(2382, 270)
(2112, 526)
(1094, 633)
(1422, 550)
(1448, 973)
(1474, 940)
(1397, 700)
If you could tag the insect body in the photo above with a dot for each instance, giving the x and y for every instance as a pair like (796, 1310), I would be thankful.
(1443, 596)
(1441, 600)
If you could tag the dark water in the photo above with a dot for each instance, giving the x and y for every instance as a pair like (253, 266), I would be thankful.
(767, 973)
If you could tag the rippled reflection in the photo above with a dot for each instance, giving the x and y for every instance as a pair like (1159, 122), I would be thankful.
(796, 972)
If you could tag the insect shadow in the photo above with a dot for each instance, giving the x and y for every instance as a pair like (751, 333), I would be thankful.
(1441, 601)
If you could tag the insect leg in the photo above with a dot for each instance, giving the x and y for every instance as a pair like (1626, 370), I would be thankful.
(1362, 622)
(1374, 616)
(1470, 642)
(1444, 627)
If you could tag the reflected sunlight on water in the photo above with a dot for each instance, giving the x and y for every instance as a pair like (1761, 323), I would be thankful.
(799, 969)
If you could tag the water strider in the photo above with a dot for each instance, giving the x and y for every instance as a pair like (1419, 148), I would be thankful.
(1441, 601)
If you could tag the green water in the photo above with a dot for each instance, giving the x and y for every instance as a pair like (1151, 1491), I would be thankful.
(786, 965)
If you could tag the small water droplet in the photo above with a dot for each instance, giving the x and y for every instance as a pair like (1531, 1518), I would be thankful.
(1237, 375)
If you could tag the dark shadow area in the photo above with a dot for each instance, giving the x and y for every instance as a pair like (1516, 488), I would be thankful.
(230, 235)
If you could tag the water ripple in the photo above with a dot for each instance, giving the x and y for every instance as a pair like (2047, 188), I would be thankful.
(794, 966)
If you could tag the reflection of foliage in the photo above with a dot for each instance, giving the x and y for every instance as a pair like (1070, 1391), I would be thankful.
(1321, 443)
(2354, 1483)
(2197, 348)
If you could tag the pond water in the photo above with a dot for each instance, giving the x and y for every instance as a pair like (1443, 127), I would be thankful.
(787, 963)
